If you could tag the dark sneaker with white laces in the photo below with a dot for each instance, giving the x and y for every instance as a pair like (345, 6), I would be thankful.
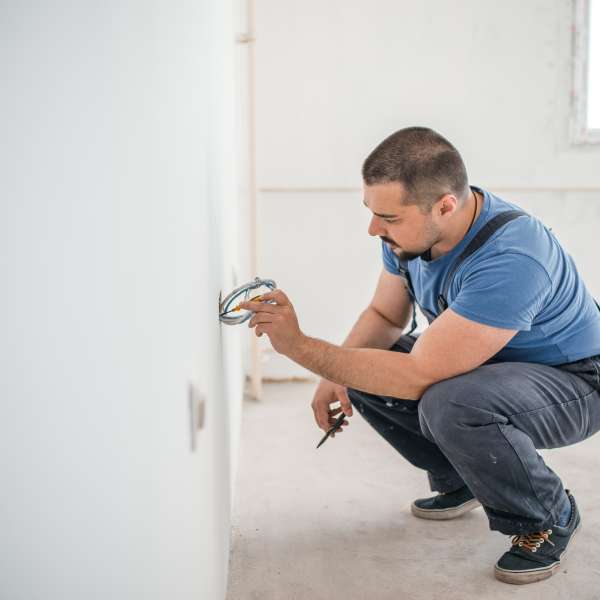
(537, 556)
(445, 505)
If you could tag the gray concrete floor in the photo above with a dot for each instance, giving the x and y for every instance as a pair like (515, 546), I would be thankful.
(335, 522)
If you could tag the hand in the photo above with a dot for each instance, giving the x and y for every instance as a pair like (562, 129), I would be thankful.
(278, 321)
(329, 393)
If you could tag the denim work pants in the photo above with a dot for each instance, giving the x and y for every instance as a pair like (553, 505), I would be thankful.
(482, 428)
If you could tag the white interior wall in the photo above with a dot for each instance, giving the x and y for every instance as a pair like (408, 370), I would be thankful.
(335, 78)
(116, 177)
(244, 101)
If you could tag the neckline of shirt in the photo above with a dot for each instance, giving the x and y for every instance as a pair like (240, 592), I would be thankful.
(478, 223)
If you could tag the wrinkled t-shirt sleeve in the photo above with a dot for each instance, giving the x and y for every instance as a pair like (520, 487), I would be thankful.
(390, 260)
(507, 290)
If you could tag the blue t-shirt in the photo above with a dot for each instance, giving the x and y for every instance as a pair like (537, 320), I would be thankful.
(521, 278)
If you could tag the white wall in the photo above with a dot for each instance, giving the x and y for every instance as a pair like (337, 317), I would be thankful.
(116, 175)
(335, 78)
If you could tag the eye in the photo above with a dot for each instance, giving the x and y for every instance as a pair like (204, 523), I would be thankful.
(391, 220)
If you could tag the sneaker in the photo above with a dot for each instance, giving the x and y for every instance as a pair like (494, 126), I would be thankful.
(445, 505)
(537, 556)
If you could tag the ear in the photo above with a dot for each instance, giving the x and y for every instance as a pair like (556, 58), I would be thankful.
(447, 204)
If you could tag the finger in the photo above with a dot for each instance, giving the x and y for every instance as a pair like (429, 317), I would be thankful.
(261, 307)
(262, 328)
(345, 401)
(314, 409)
(333, 420)
(323, 418)
(335, 411)
(258, 319)
(278, 295)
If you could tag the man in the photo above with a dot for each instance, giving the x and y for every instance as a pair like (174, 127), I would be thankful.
(509, 363)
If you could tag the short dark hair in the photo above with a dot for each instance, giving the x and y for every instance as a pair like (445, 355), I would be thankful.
(423, 161)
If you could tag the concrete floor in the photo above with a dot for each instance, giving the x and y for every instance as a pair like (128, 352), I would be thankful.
(335, 522)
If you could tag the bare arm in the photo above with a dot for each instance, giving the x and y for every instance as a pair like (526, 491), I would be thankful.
(378, 326)
(383, 321)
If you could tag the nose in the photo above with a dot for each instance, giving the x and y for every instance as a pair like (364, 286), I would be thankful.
(375, 227)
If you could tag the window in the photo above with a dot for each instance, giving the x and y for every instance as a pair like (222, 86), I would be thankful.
(585, 126)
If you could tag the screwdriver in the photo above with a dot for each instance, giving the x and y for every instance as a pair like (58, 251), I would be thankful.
(337, 424)
(238, 306)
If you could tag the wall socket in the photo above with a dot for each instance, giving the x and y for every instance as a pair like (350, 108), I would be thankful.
(197, 408)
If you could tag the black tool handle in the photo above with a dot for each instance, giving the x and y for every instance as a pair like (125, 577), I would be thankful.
(333, 428)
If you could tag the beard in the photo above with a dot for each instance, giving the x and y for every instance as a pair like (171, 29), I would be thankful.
(406, 255)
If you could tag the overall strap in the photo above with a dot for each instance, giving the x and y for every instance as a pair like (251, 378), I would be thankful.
(411, 292)
(482, 236)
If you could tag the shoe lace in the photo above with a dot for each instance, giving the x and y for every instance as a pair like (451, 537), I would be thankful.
(532, 541)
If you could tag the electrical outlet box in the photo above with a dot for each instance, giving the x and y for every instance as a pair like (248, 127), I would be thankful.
(197, 409)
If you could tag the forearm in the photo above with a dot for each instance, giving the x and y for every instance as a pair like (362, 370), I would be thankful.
(371, 370)
(377, 370)
(371, 330)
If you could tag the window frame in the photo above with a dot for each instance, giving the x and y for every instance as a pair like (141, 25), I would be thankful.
(579, 130)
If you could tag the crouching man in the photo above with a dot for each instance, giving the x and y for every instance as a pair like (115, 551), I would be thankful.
(509, 363)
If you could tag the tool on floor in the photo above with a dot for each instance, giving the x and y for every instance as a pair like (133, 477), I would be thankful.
(334, 427)
(226, 307)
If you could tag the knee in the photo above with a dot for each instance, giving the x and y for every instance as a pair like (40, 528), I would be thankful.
(432, 410)
(441, 412)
